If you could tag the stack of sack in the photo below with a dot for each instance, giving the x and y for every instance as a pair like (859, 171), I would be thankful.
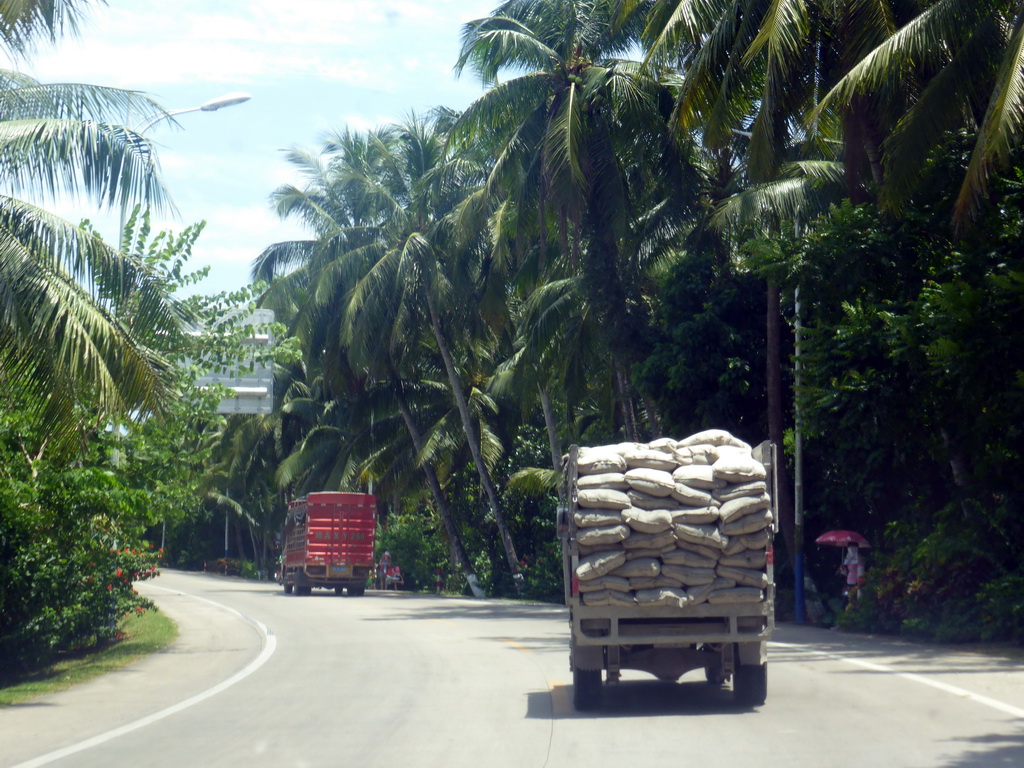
(672, 523)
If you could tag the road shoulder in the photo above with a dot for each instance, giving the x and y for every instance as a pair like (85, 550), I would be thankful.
(212, 645)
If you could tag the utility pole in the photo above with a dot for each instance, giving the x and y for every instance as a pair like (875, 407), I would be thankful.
(798, 477)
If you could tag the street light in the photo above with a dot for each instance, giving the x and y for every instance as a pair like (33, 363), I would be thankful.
(227, 100)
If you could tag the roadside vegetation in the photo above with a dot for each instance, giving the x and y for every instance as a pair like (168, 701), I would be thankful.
(606, 246)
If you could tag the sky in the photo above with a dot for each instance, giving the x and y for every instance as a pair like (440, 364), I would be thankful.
(310, 66)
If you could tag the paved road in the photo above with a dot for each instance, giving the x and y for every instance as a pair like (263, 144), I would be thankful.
(263, 679)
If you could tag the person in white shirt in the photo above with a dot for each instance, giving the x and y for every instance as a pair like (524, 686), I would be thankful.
(854, 570)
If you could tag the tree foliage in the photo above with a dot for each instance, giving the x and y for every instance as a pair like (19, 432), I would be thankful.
(584, 255)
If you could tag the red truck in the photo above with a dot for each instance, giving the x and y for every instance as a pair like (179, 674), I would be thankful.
(328, 543)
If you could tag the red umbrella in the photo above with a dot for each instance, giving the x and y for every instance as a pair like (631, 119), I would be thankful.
(842, 539)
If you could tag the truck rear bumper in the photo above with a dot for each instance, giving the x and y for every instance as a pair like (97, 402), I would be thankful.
(664, 626)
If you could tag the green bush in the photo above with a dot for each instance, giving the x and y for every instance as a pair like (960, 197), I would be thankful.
(415, 547)
(68, 564)
(542, 577)
(1001, 603)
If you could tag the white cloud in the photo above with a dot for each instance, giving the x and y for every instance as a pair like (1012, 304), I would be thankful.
(362, 123)
(246, 40)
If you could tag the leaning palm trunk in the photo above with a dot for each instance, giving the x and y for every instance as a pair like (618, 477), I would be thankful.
(552, 428)
(460, 559)
(623, 389)
(471, 437)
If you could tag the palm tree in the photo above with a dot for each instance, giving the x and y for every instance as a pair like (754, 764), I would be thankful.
(762, 67)
(579, 138)
(26, 22)
(964, 57)
(359, 195)
(61, 283)
(419, 268)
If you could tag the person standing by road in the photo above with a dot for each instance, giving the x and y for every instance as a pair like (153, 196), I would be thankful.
(382, 570)
(854, 570)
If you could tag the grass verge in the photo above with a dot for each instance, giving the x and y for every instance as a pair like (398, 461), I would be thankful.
(142, 635)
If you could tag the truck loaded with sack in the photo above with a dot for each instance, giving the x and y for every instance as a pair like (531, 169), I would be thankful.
(668, 562)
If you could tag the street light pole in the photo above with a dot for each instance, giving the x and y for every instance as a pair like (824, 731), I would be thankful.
(227, 100)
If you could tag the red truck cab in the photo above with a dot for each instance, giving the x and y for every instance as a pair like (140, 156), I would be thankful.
(328, 543)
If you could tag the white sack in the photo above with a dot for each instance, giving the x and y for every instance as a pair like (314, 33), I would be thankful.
(621, 599)
(665, 444)
(613, 480)
(705, 535)
(605, 535)
(746, 577)
(644, 458)
(737, 467)
(734, 491)
(596, 461)
(633, 554)
(653, 482)
(713, 437)
(641, 568)
(591, 518)
(686, 557)
(691, 577)
(695, 516)
(647, 520)
(709, 552)
(655, 583)
(602, 498)
(615, 583)
(749, 523)
(675, 598)
(692, 497)
(658, 541)
(646, 501)
(698, 476)
(750, 558)
(744, 505)
(599, 564)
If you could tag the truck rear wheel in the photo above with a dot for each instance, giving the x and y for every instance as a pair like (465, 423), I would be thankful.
(586, 689)
(750, 684)
(287, 588)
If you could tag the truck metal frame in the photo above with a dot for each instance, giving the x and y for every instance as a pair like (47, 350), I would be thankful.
(727, 641)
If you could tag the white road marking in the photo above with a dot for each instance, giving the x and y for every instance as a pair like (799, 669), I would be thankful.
(1001, 706)
(269, 646)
